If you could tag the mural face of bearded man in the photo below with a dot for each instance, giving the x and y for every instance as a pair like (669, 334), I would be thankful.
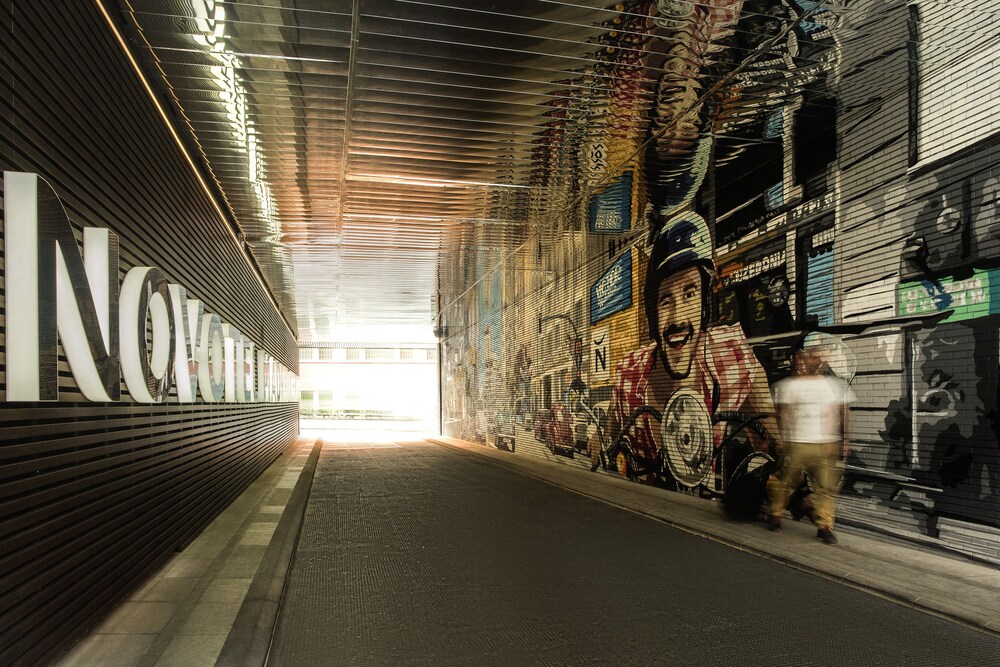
(680, 272)
(679, 313)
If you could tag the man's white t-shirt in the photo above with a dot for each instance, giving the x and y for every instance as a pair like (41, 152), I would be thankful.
(811, 407)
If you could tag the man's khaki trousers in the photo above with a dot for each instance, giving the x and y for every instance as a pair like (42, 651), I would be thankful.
(822, 463)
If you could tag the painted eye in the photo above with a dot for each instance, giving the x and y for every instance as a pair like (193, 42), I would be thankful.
(937, 400)
(948, 220)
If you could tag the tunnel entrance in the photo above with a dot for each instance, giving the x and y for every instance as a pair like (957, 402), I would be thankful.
(369, 388)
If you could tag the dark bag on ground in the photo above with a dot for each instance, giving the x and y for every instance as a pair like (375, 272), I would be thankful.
(746, 491)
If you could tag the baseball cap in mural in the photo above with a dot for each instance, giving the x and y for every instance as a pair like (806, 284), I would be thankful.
(684, 241)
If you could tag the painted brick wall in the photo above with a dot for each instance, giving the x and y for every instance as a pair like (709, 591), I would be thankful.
(832, 208)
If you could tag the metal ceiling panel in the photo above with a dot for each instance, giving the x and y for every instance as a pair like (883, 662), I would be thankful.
(367, 148)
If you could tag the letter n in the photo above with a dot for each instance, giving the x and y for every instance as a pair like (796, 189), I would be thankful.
(601, 360)
(50, 287)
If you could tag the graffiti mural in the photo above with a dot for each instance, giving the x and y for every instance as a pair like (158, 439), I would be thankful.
(674, 397)
(935, 456)
(943, 442)
(724, 180)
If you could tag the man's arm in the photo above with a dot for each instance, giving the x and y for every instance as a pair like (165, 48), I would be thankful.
(845, 428)
(728, 356)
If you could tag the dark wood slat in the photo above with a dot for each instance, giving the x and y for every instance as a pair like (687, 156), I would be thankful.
(94, 497)
(151, 509)
(66, 509)
(164, 509)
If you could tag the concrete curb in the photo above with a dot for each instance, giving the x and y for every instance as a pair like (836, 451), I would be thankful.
(249, 639)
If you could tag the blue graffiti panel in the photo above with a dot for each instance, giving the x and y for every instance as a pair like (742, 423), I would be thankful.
(611, 209)
(819, 285)
(612, 292)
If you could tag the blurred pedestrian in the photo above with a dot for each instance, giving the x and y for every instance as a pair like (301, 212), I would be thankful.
(813, 413)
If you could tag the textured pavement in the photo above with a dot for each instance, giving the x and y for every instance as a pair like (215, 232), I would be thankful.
(419, 554)
(184, 613)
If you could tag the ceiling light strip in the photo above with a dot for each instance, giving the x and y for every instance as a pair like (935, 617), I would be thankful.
(254, 269)
(348, 104)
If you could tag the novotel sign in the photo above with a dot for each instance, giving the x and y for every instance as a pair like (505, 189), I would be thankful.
(146, 331)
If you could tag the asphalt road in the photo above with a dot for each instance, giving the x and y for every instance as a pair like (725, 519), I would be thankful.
(422, 555)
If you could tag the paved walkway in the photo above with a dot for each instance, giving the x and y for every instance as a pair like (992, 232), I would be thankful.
(371, 505)
(184, 614)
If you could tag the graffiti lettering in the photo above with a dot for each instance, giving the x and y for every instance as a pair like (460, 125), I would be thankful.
(608, 218)
(613, 291)
(921, 299)
(810, 208)
(606, 287)
(600, 360)
(823, 238)
(600, 342)
(762, 265)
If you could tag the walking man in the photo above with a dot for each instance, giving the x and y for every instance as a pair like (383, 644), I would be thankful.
(813, 411)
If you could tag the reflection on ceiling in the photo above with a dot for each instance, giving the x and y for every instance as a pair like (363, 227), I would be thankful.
(376, 155)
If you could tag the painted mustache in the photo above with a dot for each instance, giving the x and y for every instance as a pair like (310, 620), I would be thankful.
(677, 335)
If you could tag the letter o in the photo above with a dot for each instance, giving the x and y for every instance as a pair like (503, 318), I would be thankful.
(145, 298)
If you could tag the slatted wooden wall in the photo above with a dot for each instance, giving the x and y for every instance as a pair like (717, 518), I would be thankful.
(94, 496)
(91, 499)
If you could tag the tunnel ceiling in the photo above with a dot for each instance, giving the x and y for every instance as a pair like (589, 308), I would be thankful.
(371, 152)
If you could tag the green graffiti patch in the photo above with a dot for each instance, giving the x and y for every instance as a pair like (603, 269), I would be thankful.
(971, 297)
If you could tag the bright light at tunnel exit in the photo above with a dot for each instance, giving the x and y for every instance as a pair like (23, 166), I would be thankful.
(367, 391)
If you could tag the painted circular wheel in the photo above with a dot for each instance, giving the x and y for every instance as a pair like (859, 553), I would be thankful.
(686, 431)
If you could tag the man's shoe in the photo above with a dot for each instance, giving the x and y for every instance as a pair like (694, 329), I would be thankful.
(774, 523)
(826, 536)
